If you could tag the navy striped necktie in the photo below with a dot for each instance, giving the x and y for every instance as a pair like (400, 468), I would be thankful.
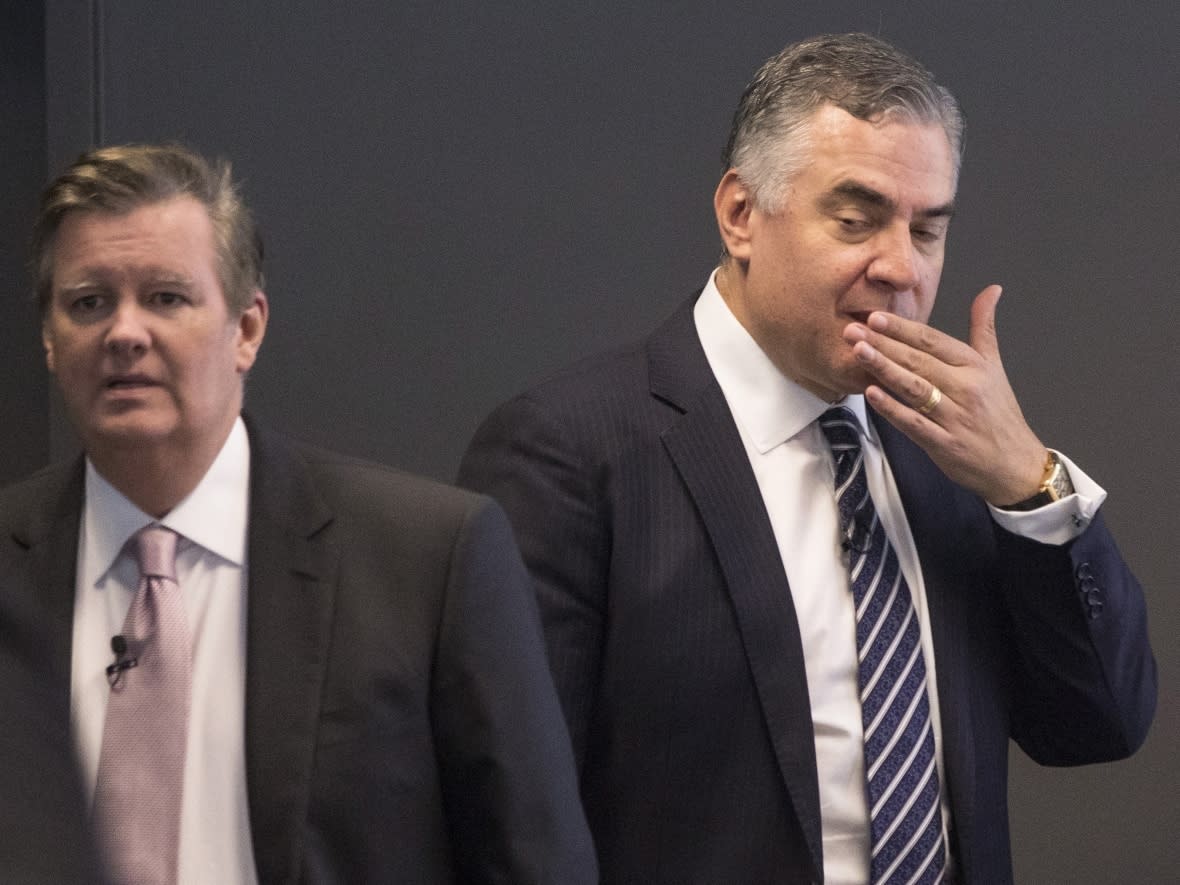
(902, 778)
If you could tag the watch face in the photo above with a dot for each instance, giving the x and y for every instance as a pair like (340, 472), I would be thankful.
(1059, 485)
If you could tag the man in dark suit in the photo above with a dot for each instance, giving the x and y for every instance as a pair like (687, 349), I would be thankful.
(677, 504)
(368, 699)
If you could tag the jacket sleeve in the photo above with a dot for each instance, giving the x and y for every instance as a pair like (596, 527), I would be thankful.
(1087, 676)
(522, 458)
(508, 780)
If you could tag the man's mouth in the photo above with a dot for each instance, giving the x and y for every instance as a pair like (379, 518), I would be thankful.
(120, 382)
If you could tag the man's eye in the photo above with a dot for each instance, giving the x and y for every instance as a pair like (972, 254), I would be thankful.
(168, 299)
(852, 225)
(86, 304)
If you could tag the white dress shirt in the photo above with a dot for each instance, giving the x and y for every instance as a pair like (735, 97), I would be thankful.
(793, 466)
(211, 571)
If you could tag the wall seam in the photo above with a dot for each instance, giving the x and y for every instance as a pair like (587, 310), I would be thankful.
(98, 107)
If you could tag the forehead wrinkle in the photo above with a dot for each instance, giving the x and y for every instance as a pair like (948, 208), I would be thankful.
(858, 193)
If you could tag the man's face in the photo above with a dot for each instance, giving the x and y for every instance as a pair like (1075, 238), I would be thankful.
(863, 228)
(139, 335)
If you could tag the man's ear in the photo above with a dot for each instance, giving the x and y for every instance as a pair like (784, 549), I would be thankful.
(251, 330)
(47, 343)
(733, 204)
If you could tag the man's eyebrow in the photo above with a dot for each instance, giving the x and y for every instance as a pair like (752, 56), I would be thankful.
(867, 196)
(89, 278)
(86, 283)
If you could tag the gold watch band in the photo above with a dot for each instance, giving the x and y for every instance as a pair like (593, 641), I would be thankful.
(1055, 485)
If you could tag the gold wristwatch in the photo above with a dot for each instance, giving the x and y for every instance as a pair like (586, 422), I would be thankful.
(1055, 485)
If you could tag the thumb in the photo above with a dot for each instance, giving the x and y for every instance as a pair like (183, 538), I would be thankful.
(982, 332)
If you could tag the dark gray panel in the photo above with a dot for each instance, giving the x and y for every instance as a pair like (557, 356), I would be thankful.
(24, 438)
(74, 73)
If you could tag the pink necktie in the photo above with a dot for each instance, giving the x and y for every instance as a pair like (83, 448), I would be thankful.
(137, 800)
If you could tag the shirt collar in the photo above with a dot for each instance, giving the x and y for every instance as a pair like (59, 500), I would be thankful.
(213, 515)
(770, 407)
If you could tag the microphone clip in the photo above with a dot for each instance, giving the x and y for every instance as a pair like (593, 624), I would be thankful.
(115, 670)
(857, 539)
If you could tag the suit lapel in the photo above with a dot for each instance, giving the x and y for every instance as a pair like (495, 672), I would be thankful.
(708, 453)
(932, 506)
(48, 545)
(291, 582)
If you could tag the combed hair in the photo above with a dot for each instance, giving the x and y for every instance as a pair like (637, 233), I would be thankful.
(858, 73)
(122, 178)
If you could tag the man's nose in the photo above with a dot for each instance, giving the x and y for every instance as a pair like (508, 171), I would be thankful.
(128, 332)
(896, 261)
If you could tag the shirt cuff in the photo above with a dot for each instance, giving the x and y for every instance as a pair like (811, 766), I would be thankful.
(1059, 522)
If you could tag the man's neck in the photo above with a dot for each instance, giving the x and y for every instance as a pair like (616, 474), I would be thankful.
(158, 477)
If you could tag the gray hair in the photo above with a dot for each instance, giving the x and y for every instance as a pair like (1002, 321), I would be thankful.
(858, 73)
(122, 178)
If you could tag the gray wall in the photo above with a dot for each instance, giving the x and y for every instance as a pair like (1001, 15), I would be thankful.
(460, 197)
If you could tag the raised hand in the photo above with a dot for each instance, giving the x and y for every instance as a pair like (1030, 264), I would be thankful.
(953, 399)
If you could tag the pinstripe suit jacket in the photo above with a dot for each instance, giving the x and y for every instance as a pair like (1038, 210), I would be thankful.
(676, 650)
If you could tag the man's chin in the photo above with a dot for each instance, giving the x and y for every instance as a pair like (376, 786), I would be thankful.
(853, 380)
(126, 433)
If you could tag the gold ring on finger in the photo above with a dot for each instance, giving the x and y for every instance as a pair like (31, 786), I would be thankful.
(932, 401)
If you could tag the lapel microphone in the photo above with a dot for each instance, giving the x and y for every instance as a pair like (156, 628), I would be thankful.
(115, 670)
(857, 539)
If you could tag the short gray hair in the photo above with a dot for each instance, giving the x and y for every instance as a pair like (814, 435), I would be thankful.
(122, 178)
(858, 73)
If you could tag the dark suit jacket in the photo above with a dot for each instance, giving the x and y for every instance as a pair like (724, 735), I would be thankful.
(43, 832)
(676, 650)
(401, 725)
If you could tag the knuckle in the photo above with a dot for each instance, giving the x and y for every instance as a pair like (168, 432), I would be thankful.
(926, 338)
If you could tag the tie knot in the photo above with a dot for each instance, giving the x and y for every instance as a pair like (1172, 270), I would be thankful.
(155, 548)
(842, 430)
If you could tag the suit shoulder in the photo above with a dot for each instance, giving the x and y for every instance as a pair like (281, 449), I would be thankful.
(368, 488)
(605, 406)
(33, 493)
(615, 373)
(622, 381)
(53, 477)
